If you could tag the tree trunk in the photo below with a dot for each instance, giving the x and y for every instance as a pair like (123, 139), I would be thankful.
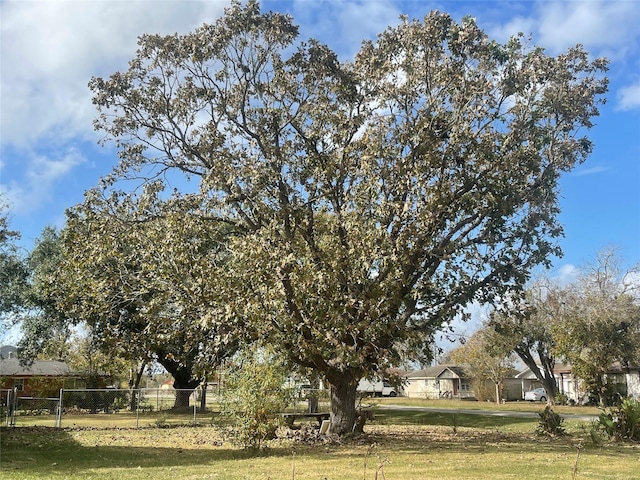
(182, 398)
(183, 382)
(184, 386)
(343, 405)
(314, 383)
(549, 381)
(497, 393)
(543, 373)
(134, 383)
(203, 396)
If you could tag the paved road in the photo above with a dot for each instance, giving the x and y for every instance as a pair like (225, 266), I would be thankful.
(493, 413)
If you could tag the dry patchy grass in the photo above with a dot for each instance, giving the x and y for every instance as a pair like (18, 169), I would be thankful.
(393, 448)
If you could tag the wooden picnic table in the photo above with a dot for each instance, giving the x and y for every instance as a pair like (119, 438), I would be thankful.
(290, 418)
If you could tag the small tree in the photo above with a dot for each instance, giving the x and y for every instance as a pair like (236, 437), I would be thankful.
(254, 395)
(482, 363)
(524, 327)
(600, 324)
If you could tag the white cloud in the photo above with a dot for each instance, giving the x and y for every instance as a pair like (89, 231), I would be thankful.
(344, 25)
(628, 98)
(589, 171)
(566, 275)
(50, 50)
(519, 24)
(601, 25)
(606, 28)
(40, 176)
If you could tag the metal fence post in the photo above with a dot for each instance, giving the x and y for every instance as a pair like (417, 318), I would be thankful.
(59, 412)
(8, 408)
(13, 407)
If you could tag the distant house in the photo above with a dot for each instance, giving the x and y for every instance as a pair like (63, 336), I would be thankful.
(8, 351)
(440, 381)
(167, 384)
(567, 384)
(625, 378)
(37, 378)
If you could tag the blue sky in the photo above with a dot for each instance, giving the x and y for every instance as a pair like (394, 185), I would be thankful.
(49, 154)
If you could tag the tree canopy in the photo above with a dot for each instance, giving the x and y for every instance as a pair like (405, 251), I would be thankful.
(13, 270)
(600, 325)
(141, 284)
(372, 199)
(525, 327)
(592, 324)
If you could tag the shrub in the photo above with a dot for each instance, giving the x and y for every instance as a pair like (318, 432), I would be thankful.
(253, 397)
(622, 422)
(595, 432)
(561, 399)
(97, 401)
(550, 423)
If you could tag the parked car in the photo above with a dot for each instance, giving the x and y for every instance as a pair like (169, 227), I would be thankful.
(536, 395)
(377, 388)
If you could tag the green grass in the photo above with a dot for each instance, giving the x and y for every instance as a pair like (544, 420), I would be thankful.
(401, 444)
(471, 405)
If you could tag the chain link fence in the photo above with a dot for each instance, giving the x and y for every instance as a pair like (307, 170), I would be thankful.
(131, 408)
(40, 409)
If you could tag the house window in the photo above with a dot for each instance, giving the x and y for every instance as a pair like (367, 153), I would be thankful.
(18, 384)
(464, 385)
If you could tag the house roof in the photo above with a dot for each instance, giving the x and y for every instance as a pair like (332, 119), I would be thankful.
(528, 374)
(438, 371)
(8, 351)
(44, 368)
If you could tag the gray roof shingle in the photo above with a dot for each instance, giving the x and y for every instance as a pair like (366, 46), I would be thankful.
(45, 368)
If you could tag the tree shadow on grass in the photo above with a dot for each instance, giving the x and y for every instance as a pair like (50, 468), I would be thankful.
(56, 453)
(41, 451)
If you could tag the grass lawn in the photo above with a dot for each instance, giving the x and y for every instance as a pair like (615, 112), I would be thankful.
(398, 444)
(522, 406)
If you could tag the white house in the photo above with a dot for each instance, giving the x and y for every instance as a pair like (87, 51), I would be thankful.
(628, 379)
(441, 381)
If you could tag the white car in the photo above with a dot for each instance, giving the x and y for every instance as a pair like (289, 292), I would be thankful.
(377, 388)
(536, 395)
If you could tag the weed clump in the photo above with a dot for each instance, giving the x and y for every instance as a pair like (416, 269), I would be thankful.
(550, 423)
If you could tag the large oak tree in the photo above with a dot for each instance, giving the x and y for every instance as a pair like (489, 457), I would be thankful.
(377, 197)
